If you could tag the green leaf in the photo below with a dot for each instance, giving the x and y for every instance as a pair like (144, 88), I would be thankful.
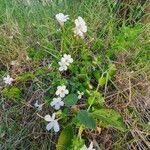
(71, 99)
(86, 119)
(102, 81)
(65, 138)
(110, 118)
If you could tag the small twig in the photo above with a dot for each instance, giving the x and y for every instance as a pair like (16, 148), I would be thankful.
(40, 116)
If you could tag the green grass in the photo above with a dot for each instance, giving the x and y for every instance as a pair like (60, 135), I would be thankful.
(111, 65)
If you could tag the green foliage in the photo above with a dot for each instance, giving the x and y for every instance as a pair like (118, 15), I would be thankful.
(13, 93)
(86, 119)
(96, 98)
(36, 54)
(25, 76)
(70, 100)
(126, 37)
(77, 143)
(65, 138)
(109, 118)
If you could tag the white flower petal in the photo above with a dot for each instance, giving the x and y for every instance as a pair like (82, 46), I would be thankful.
(53, 116)
(57, 107)
(48, 118)
(66, 92)
(71, 60)
(62, 95)
(49, 126)
(56, 126)
(52, 103)
(57, 92)
(63, 87)
(61, 103)
(79, 96)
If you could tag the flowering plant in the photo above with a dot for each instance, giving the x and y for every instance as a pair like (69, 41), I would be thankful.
(67, 78)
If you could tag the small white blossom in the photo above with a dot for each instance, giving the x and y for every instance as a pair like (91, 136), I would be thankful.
(62, 91)
(89, 148)
(61, 18)
(57, 103)
(53, 123)
(66, 59)
(38, 106)
(8, 80)
(81, 27)
(80, 94)
(62, 67)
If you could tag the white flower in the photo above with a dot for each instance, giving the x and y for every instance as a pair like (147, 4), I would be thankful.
(62, 91)
(52, 123)
(8, 80)
(81, 25)
(80, 94)
(89, 148)
(80, 28)
(62, 67)
(66, 59)
(38, 106)
(57, 103)
(61, 18)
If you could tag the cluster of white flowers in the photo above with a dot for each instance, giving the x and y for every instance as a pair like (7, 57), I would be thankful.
(8, 80)
(80, 25)
(66, 60)
(61, 92)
